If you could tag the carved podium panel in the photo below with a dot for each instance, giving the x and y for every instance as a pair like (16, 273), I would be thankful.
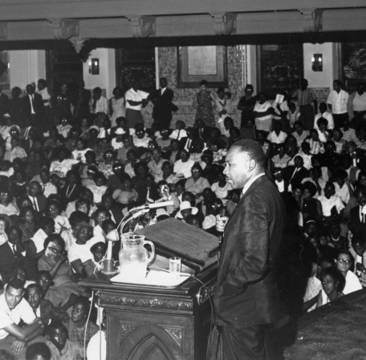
(156, 323)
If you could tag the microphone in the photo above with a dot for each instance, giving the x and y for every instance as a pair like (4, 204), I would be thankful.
(156, 205)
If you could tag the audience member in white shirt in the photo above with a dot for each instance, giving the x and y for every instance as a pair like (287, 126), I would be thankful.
(263, 114)
(14, 309)
(330, 202)
(179, 133)
(341, 186)
(43, 91)
(99, 102)
(323, 113)
(338, 103)
(140, 138)
(135, 101)
(323, 132)
(281, 159)
(277, 136)
(358, 101)
(183, 166)
(299, 134)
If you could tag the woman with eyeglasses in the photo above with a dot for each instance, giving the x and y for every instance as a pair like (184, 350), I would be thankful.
(344, 264)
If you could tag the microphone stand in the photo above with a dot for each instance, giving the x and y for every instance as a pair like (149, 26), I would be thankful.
(108, 266)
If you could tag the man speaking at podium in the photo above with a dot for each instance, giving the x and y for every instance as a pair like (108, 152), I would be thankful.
(246, 299)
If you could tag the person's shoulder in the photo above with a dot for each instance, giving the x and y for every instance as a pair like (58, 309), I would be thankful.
(2, 301)
(23, 307)
(351, 276)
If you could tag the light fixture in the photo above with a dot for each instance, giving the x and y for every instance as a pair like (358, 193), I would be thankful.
(93, 66)
(317, 62)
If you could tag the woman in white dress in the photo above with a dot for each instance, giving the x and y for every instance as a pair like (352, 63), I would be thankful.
(117, 106)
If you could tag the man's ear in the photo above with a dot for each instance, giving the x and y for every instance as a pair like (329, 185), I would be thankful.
(252, 164)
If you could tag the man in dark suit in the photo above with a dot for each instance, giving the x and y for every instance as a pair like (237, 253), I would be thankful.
(35, 196)
(357, 223)
(113, 208)
(295, 174)
(163, 106)
(246, 299)
(33, 108)
(71, 191)
(11, 254)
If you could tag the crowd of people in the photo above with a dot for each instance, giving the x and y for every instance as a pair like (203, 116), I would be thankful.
(71, 168)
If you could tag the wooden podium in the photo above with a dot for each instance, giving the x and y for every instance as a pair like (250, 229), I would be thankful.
(161, 323)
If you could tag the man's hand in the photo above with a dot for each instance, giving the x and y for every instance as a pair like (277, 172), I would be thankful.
(18, 346)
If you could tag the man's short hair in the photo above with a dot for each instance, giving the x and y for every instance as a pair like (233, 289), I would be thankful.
(36, 349)
(15, 283)
(253, 148)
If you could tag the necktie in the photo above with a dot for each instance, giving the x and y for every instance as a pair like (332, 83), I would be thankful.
(31, 104)
(112, 216)
(35, 203)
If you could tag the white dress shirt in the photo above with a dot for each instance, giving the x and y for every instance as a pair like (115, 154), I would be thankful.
(326, 115)
(359, 102)
(22, 311)
(339, 101)
(101, 106)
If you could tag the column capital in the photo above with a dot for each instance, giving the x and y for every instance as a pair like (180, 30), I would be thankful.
(142, 26)
(224, 23)
(64, 28)
(77, 43)
(312, 19)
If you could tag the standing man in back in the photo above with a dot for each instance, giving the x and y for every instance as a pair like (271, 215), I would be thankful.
(163, 106)
(246, 299)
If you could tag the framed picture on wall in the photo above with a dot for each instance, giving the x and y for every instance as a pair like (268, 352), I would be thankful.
(196, 63)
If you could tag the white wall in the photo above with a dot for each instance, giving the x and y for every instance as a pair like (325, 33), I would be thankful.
(316, 78)
(26, 66)
(106, 79)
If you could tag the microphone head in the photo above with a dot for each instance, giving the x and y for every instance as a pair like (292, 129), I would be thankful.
(113, 235)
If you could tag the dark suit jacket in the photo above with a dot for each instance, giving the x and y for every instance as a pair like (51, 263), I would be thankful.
(246, 292)
(355, 225)
(70, 194)
(163, 107)
(8, 261)
(37, 105)
(42, 202)
(295, 178)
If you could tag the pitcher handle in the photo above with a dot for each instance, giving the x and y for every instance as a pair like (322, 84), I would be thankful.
(150, 254)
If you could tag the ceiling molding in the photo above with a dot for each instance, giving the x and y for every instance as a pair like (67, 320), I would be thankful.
(64, 28)
(3, 30)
